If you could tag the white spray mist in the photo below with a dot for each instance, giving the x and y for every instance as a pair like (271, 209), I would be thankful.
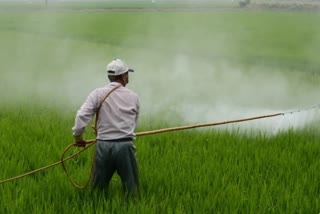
(193, 89)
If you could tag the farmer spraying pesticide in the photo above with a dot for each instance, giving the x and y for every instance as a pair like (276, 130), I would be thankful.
(117, 110)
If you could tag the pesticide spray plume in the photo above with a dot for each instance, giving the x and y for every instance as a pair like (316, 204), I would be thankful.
(191, 89)
(189, 86)
(199, 91)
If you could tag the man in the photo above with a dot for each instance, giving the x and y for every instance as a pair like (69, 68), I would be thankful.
(117, 110)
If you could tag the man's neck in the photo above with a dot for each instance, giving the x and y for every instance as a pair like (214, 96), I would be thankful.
(121, 82)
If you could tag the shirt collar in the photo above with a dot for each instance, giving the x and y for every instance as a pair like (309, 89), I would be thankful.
(113, 84)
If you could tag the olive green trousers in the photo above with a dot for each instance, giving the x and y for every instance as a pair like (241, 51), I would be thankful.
(115, 156)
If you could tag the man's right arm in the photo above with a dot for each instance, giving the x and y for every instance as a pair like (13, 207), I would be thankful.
(85, 115)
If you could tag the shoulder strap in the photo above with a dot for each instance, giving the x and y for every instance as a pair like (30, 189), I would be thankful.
(98, 109)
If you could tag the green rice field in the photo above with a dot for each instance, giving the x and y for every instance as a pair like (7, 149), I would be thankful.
(190, 67)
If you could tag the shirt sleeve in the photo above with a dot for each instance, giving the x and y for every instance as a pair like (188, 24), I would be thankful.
(85, 114)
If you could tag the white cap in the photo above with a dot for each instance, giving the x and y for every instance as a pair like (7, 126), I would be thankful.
(117, 67)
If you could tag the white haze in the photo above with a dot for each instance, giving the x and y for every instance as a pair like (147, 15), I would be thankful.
(190, 88)
(201, 92)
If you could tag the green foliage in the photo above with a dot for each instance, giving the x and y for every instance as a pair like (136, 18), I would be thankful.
(196, 171)
(245, 39)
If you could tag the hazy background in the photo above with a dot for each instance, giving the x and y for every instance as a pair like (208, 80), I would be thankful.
(176, 78)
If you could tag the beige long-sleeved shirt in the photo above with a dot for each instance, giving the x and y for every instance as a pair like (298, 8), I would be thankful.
(118, 116)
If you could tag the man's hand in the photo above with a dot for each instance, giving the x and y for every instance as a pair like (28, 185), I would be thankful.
(79, 142)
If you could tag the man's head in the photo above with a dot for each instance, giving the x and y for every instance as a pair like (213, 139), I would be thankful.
(118, 71)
